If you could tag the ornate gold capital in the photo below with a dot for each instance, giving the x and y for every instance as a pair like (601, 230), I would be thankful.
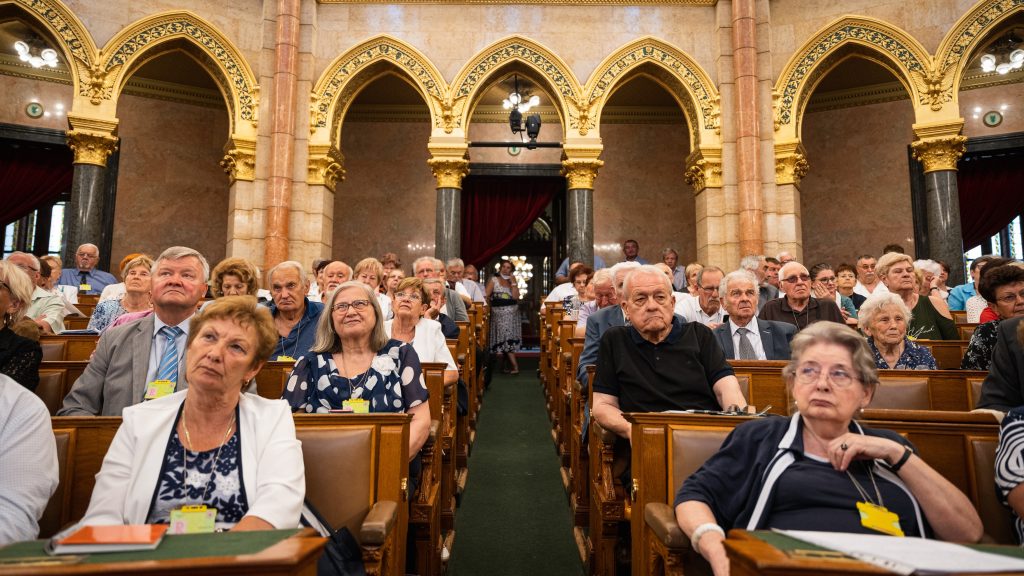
(239, 161)
(704, 169)
(449, 171)
(91, 147)
(581, 172)
(790, 163)
(939, 153)
(326, 166)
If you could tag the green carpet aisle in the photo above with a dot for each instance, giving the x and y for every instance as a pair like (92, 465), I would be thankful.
(514, 518)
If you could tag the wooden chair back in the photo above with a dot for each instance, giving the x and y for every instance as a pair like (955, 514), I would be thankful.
(55, 517)
(51, 388)
(53, 350)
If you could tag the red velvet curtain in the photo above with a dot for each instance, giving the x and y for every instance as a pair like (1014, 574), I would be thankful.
(990, 195)
(497, 209)
(32, 177)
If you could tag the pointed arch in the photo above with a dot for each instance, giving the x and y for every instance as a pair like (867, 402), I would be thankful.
(475, 76)
(669, 66)
(155, 35)
(73, 39)
(358, 67)
(964, 38)
(875, 39)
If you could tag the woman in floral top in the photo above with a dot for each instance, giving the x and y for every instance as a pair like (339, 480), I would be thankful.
(353, 365)
(884, 318)
(1003, 288)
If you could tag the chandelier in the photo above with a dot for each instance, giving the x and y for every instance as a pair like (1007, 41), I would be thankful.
(517, 104)
(46, 57)
(1003, 55)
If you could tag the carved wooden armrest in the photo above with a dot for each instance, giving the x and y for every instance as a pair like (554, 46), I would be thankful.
(662, 520)
(378, 523)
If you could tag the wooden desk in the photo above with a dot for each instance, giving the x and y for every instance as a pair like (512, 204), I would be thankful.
(296, 556)
(752, 556)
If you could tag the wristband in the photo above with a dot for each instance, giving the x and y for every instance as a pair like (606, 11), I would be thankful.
(700, 531)
(907, 453)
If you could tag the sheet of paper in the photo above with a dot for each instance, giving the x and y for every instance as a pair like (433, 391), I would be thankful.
(909, 555)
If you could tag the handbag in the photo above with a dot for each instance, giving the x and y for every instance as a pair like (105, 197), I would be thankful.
(342, 555)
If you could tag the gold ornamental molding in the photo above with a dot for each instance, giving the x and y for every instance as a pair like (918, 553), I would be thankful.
(536, 2)
(326, 166)
(581, 172)
(91, 139)
(449, 171)
(790, 163)
(704, 169)
(239, 161)
(939, 153)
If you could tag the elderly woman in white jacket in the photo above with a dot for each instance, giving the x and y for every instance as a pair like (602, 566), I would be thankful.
(210, 444)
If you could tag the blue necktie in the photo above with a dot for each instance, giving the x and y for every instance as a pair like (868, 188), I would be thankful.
(168, 367)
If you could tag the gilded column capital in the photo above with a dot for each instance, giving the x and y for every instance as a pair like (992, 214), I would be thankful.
(790, 163)
(239, 161)
(326, 166)
(581, 172)
(704, 169)
(939, 153)
(91, 147)
(449, 171)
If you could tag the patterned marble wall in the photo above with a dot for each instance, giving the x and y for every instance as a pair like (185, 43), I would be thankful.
(19, 92)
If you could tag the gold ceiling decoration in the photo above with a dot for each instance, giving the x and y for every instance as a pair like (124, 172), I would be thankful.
(538, 2)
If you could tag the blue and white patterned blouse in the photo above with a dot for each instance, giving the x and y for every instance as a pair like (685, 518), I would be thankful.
(1010, 461)
(391, 384)
(221, 480)
(105, 313)
(914, 357)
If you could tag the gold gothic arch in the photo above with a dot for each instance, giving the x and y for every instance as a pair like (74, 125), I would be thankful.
(671, 68)
(72, 38)
(963, 39)
(154, 36)
(475, 77)
(352, 71)
(868, 37)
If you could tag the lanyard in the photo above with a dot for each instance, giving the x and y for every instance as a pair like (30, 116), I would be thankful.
(863, 493)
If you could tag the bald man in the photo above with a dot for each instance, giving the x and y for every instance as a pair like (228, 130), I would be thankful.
(84, 274)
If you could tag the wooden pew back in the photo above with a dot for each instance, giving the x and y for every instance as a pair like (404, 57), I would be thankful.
(76, 346)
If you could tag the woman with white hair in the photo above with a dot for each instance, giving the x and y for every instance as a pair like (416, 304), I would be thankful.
(884, 318)
(19, 356)
(930, 272)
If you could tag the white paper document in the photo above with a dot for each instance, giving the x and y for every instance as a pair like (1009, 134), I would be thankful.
(909, 555)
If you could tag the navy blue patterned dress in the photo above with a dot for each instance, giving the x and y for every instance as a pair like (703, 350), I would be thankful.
(391, 384)
(1010, 461)
(185, 476)
(914, 357)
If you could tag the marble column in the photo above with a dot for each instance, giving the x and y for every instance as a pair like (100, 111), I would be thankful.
(282, 138)
(748, 140)
(945, 238)
(580, 175)
(448, 230)
(83, 222)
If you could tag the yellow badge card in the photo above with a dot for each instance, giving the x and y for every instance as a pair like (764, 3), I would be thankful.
(159, 389)
(879, 518)
(193, 520)
(356, 405)
(283, 358)
(84, 287)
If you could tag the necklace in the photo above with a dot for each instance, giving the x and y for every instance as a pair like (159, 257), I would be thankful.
(351, 388)
(807, 315)
(216, 456)
(298, 338)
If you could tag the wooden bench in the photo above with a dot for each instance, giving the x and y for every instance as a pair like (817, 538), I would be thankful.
(76, 322)
(948, 353)
(365, 453)
(667, 448)
(75, 346)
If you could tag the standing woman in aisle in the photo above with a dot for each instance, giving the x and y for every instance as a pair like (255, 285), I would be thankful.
(506, 328)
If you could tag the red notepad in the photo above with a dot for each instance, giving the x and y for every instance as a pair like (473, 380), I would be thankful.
(94, 539)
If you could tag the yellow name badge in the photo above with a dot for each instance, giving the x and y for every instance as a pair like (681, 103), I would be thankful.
(196, 519)
(284, 358)
(356, 406)
(84, 287)
(879, 518)
(159, 389)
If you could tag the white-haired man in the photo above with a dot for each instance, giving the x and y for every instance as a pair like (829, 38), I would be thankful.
(295, 315)
(759, 267)
(145, 359)
(456, 270)
(85, 276)
(798, 307)
(47, 308)
(742, 336)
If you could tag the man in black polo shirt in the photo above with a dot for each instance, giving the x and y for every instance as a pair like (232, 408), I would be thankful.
(659, 361)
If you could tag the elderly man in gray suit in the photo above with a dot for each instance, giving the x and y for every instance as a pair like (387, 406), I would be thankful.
(144, 359)
(743, 336)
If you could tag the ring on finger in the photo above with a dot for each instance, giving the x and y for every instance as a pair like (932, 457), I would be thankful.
(844, 446)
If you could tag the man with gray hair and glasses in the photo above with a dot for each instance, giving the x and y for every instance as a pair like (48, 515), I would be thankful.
(145, 359)
(47, 308)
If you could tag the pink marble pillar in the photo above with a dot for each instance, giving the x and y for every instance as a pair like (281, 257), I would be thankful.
(282, 136)
(748, 141)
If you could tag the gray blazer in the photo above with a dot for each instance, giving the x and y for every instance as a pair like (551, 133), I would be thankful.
(116, 376)
(455, 308)
(597, 324)
(775, 337)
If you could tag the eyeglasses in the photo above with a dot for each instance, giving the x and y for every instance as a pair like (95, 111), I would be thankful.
(709, 289)
(794, 278)
(810, 373)
(355, 304)
(411, 296)
(1010, 298)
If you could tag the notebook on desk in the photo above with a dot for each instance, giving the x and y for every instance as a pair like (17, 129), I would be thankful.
(96, 539)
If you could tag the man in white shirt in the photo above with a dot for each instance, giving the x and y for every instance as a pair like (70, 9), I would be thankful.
(455, 270)
(29, 471)
(867, 281)
(706, 308)
(742, 336)
(47, 308)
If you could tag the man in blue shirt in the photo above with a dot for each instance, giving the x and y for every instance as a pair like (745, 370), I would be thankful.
(84, 275)
(295, 315)
(631, 252)
(959, 296)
